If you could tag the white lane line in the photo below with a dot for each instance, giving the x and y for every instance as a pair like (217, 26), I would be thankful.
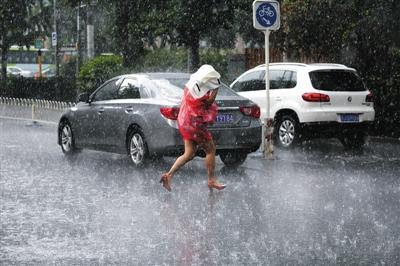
(28, 120)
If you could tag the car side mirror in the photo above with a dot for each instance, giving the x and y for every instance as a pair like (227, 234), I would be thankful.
(83, 97)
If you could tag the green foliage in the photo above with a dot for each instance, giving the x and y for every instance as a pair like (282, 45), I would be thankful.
(244, 23)
(191, 20)
(96, 71)
(215, 58)
(164, 60)
(13, 27)
(134, 24)
(315, 28)
(386, 93)
(177, 60)
(68, 69)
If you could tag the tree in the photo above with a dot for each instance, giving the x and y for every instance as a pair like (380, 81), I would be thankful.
(244, 23)
(135, 24)
(13, 28)
(21, 21)
(314, 28)
(374, 40)
(193, 20)
(373, 34)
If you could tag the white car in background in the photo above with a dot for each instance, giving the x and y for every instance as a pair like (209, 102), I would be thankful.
(17, 71)
(311, 100)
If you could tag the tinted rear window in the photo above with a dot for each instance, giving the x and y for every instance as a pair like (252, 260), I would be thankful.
(336, 80)
(224, 90)
(178, 82)
(173, 87)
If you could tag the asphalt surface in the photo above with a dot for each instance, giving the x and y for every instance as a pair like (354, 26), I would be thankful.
(315, 204)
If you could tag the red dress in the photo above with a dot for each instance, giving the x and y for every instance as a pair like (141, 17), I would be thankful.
(194, 117)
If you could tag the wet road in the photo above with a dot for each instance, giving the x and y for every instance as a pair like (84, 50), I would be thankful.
(317, 204)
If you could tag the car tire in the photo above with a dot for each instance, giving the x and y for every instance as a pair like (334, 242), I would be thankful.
(232, 158)
(287, 131)
(137, 147)
(67, 140)
(353, 140)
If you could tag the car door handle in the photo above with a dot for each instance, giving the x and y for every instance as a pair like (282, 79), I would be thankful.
(129, 109)
(278, 98)
(100, 110)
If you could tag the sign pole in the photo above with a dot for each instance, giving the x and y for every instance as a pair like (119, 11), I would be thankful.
(268, 122)
(266, 17)
(54, 39)
(78, 40)
(39, 45)
(40, 63)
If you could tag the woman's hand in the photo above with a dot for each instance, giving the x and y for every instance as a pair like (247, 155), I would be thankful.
(212, 96)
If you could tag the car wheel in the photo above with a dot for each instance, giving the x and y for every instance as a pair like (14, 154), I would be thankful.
(233, 159)
(67, 140)
(353, 140)
(287, 131)
(137, 147)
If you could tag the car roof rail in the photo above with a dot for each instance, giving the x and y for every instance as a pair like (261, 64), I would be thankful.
(328, 64)
(284, 63)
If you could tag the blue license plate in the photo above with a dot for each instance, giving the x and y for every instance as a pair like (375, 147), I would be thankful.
(349, 118)
(224, 118)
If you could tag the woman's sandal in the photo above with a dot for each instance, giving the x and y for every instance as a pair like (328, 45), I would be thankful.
(215, 184)
(166, 182)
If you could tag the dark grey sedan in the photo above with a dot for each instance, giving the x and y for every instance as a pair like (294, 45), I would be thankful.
(136, 114)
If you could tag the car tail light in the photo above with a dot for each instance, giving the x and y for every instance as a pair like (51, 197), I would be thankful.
(369, 98)
(315, 97)
(253, 111)
(170, 112)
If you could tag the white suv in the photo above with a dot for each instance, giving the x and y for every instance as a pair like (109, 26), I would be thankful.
(311, 100)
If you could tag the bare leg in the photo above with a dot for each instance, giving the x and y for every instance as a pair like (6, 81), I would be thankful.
(190, 152)
(188, 155)
(209, 148)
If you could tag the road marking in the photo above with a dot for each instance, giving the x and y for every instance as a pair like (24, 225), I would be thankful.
(28, 119)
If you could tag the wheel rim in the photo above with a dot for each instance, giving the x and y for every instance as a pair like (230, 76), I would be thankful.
(66, 138)
(286, 133)
(137, 148)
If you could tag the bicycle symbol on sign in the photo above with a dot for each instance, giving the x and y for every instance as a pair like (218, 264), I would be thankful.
(266, 11)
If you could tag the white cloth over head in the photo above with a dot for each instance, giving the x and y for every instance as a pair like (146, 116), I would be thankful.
(206, 78)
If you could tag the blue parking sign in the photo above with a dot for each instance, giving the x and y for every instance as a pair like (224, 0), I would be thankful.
(266, 15)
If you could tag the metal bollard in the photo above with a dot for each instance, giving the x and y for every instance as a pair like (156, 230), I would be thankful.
(33, 112)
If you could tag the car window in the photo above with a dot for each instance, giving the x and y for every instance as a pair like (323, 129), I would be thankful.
(336, 80)
(173, 88)
(289, 80)
(163, 88)
(178, 82)
(249, 82)
(107, 92)
(275, 79)
(278, 79)
(224, 90)
(129, 89)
